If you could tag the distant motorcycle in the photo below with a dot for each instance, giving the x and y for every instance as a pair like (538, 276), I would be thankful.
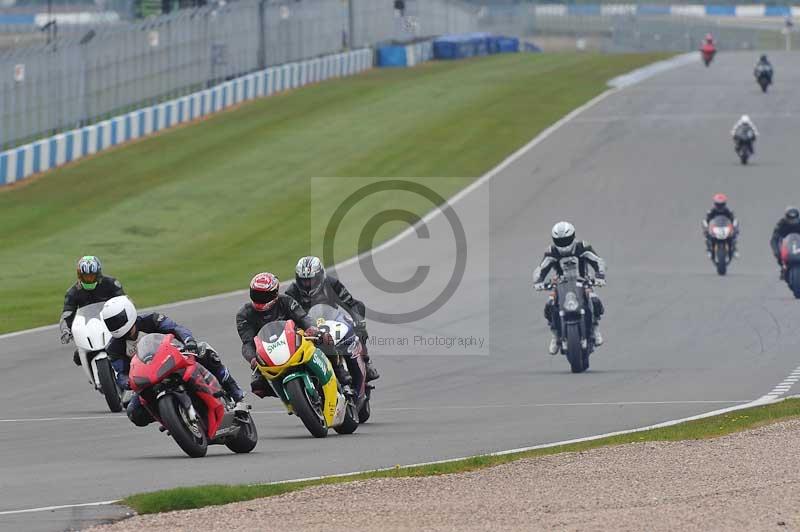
(743, 143)
(708, 51)
(575, 314)
(187, 399)
(91, 337)
(764, 78)
(348, 352)
(721, 232)
(790, 262)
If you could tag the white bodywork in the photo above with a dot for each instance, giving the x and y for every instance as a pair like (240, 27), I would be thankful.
(91, 336)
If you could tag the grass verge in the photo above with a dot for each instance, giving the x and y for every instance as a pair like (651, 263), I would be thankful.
(199, 209)
(712, 427)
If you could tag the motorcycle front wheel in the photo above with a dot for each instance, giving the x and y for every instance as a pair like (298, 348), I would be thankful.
(793, 280)
(574, 350)
(188, 434)
(301, 404)
(108, 385)
(246, 439)
(721, 259)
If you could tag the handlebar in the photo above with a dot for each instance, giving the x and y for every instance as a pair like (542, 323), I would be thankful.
(551, 284)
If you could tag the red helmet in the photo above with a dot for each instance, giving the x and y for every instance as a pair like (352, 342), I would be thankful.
(264, 291)
(720, 200)
(709, 37)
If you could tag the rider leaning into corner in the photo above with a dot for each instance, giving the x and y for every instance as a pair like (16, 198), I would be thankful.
(720, 208)
(126, 326)
(790, 223)
(744, 123)
(266, 305)
(92, 287)
(313, 286)
(564, 245)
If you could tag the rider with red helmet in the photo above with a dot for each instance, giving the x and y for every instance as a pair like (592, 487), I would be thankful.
(265, 306)
(720, 208)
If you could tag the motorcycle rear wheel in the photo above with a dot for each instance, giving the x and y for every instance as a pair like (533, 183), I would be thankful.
(574, 350)
(303, 409)
(108, 385)
(175, 418)
(246, 439)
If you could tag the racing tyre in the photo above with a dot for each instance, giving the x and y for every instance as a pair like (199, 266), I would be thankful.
(246, 439)
(721, 260)
(108, 384)
(574, 351)
(350, 423)
(365, 411)
(190, 435)
(301, 404)
(793, 279)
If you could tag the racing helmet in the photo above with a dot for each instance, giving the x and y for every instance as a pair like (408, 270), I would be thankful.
(563, 234)
(309, 275)
(119, 315)
(264, 291)
(720, 200)
(90, 271)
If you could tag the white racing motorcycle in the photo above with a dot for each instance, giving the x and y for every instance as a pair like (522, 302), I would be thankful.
(91, 337)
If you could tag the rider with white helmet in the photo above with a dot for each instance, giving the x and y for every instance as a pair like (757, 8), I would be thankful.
(564, 245)
(127, 326)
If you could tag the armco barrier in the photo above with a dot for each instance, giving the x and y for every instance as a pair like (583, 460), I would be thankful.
(18, 163)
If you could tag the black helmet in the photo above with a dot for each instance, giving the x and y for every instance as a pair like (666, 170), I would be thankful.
(763, 58)
(792, 214)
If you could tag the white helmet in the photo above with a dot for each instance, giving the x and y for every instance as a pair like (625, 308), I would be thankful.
(745, 119)
(564, 237)
(309, 275)
(119, 315)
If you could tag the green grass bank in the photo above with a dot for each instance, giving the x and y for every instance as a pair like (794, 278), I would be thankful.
(712, 427)
(197, 210)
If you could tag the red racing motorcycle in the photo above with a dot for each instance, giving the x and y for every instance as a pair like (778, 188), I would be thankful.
(187, 399)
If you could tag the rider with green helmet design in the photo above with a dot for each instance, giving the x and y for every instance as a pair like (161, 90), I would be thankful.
(92, 287)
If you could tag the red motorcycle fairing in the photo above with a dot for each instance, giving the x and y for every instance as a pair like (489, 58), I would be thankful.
(157, 358)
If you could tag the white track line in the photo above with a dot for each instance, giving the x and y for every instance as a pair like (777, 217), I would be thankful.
(418, 408)
(784, 386)
(61, 507)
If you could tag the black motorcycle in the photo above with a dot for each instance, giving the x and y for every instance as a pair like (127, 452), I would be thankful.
(790, 262)
(763, 78)
(743, 141)
(575, 317)
(720, 234)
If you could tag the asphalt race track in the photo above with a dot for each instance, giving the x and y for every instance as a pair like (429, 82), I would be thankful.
(635, 174)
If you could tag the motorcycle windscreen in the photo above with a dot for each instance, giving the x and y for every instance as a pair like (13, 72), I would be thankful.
(89, 330)
(720, 227)
(335, 321)
(276, 343)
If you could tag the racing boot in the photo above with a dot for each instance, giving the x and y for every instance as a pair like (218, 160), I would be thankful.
(598, 337)
(372, 373)
(231, 388)
(342, 375)
(555, 342)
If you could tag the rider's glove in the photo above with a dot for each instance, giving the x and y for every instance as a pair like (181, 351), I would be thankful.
(66, 336)
(538, 286)
(599, 282)
(190, 345)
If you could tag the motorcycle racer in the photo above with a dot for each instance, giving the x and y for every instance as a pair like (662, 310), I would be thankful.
(313, 286)
(720, 208)
(91, 287)
(125, 325)
(790, 223)
(763, 68)
(265, 306)
(564, 245)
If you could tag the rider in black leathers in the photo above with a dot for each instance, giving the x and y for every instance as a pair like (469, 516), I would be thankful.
(265, 306)
(313, 286)
(763, 67)
(564, 245)
(91, 287)
(790, 223)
